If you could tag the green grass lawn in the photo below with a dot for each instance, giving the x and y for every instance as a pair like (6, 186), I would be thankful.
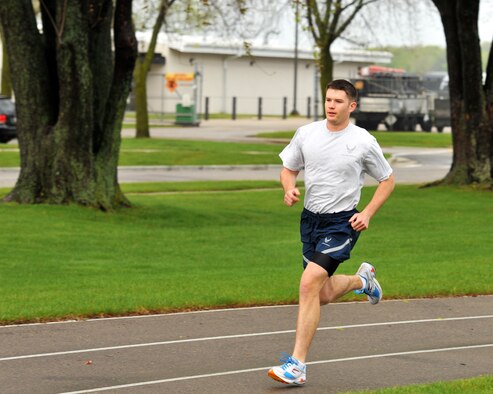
(226, 248)
(479, 385)
(390, 138)
(416, 139)
(9, 155)
(176, 152)
(142, 152)
(205, 186)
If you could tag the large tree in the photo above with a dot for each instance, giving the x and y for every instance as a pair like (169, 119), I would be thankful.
(71, 87)
(471, 100)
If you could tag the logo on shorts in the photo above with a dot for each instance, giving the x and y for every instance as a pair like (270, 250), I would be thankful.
(326, 241)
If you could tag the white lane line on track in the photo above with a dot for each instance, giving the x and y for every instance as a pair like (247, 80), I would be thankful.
(181, 378)
(255, 334)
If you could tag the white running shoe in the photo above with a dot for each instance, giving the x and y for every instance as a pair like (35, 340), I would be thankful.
(373, 289)
(291, 372)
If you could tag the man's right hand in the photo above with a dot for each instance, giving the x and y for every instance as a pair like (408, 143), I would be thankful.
(291, 197)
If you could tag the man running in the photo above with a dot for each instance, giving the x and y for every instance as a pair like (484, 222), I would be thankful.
(335, 154)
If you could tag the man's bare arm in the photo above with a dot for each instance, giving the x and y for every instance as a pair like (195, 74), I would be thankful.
(361, 221)
(288, 182)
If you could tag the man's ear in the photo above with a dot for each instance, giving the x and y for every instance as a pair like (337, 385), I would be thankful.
(352, 106)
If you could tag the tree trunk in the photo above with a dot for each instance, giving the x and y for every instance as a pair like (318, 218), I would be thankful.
(6, 88)
(70, 98)
(327, 20)
(472, 130)
(326, 67)
(140, 92)
(142, 67)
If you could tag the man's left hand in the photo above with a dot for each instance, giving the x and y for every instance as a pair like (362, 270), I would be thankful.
(360, 221)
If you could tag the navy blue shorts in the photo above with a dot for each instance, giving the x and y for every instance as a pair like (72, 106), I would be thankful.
(327, 238)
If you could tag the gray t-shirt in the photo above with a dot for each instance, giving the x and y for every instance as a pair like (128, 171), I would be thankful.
(335, 164)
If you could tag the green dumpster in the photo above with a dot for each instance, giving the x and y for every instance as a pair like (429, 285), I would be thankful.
(185, 115)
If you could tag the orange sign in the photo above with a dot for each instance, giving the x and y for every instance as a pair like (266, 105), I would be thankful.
(180, 76)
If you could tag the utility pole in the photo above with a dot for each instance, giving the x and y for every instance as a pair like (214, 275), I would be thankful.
(295, 93)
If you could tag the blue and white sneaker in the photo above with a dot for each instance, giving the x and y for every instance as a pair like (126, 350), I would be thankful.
(373, 289)
(291, 372)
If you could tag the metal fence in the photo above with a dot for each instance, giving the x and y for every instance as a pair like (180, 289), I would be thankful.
(163, 102)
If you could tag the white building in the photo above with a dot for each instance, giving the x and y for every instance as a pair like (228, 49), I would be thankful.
(227, 71)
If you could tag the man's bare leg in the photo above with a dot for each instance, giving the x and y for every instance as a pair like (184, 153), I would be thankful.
(338, 285)
(317, 288)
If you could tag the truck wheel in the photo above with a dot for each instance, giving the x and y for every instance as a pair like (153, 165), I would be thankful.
(411, 123)
(425, 125)
(405, 124)
(400, 125)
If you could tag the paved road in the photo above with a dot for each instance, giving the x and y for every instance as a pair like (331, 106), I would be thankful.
(411, 165)
(358, 346)
(241, 130)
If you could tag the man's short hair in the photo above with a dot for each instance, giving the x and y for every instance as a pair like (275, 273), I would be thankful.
(346, 86)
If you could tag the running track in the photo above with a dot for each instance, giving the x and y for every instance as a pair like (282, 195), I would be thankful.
(358, 346)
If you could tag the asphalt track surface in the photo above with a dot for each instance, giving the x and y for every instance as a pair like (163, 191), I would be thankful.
(357, 346)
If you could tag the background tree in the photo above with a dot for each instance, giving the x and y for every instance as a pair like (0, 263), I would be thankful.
(142, 67)
(71, 93)
(327, 20)
(471, 100)
(232, 21)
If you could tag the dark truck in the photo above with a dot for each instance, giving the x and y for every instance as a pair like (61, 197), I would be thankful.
(436, 85)
(397, 99)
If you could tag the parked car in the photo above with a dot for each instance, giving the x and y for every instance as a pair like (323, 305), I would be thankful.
(8, 120)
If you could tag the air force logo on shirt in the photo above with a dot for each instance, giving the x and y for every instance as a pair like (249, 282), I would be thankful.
(350, 148)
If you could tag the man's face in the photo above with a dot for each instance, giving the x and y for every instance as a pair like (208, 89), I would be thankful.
(338, 108)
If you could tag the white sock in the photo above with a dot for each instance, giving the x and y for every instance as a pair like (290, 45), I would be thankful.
(364, 282)
(301, 364)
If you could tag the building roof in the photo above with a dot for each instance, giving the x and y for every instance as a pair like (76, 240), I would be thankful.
(341, 55)
(214, 46)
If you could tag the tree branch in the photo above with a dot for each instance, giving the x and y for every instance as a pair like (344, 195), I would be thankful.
(163, 10)
(125, 55)
(50, 17)
(337, 31)
(58, 30)
(313, 16)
